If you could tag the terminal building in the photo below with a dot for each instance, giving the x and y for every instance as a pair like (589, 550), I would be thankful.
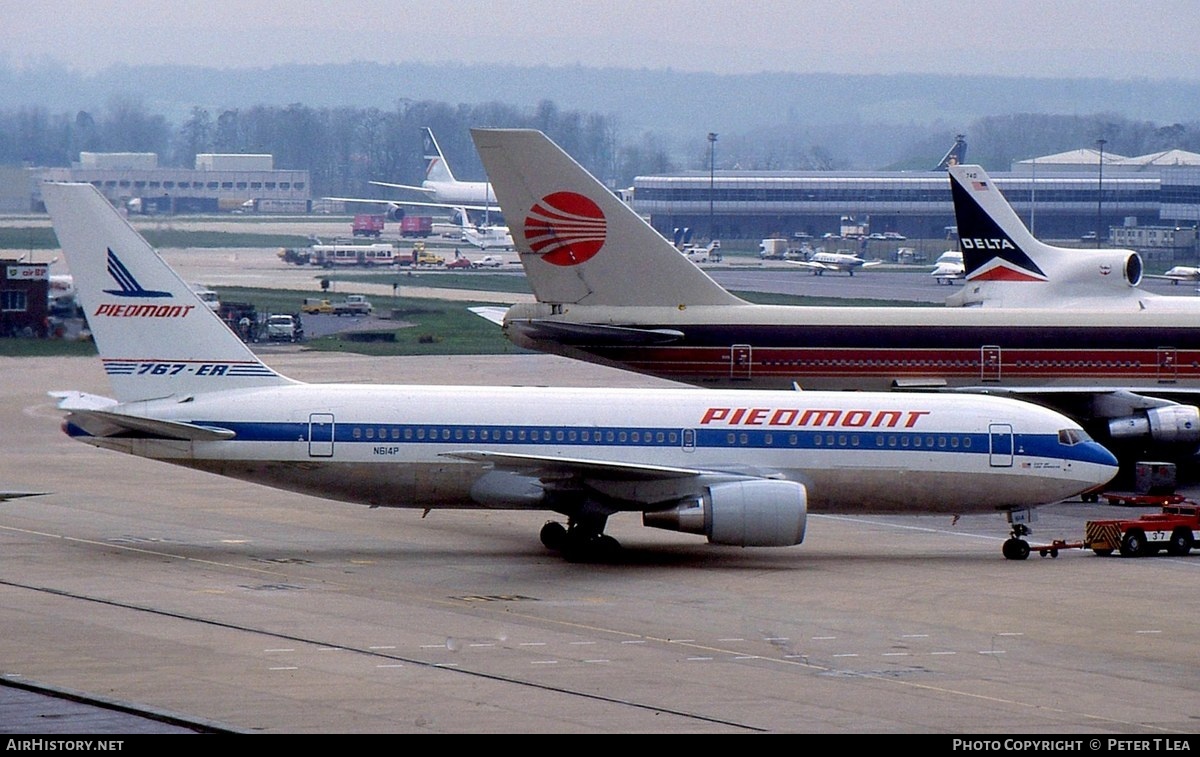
(217, 183)
(1064, 196)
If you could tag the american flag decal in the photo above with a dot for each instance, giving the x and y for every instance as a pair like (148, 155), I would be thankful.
(979, 185)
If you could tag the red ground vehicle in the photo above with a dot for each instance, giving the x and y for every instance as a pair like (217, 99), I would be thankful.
(367, 225)
(1175, 529)
(460, 263)
(416, 226)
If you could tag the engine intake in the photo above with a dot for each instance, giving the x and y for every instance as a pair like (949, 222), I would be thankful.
(752, 513)
(1170, 424)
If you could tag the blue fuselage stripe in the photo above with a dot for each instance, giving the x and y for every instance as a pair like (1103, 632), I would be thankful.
(500, 435)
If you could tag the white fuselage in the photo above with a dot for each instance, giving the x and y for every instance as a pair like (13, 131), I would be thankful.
(461, 192)
(406, 446)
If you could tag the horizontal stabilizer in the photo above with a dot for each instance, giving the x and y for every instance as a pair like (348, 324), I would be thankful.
(583, 333)
(490, 313)
(73, 400)
(6, 494)
(107, 423)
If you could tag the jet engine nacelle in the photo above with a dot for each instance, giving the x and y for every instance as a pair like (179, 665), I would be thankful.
(1170, 424)
(1133, 269)
(752, 513)
(1096, 270)
(395, 213)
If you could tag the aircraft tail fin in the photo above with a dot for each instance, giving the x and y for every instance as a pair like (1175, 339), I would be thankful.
(955, 156)
(436, 167)
(155, 336)
(996, 244)
(578, 241)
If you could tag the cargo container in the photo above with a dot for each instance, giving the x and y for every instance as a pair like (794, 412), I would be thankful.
(416, 226)
(367, 225)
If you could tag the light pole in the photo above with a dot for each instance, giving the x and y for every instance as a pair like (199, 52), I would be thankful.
(712, 170)
(1100, 194)
(1033, 199)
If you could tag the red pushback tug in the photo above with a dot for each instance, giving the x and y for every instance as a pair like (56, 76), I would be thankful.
(1176, 528)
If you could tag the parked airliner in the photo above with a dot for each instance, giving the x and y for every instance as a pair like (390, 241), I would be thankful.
(611, 289)
(1006, 266)
(741, 468)
(949, 267)
(440, 186)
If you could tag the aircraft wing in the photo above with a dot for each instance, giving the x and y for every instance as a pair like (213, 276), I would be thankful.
(812, 264)
(581, 466)
(415, 203)
(1176, 277)
(870, 263)
(426, 190)
(646, 485)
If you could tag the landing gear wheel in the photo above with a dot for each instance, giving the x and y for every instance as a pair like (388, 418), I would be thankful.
(553, 535)
(1015, 549)
(590, 547)
(1180, 543)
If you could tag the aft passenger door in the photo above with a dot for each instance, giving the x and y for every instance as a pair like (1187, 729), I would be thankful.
(989, 363)
(1000, 445)
(739, 362)
(320, 435)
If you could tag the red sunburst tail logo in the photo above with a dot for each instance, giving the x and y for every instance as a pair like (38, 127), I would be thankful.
(565, 228)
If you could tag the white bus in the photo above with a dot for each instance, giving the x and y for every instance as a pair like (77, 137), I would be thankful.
(331, 255)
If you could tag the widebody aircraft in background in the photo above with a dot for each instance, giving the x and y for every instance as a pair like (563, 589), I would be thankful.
(1006, 266)
(741, 468)
(440, 188)
(610, 289)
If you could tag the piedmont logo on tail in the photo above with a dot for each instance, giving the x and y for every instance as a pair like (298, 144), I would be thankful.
(739, 468)
(1066, 328)
(129, 285)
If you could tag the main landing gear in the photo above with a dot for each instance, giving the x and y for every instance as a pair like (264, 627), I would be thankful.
(579, 541)
(1015, 547)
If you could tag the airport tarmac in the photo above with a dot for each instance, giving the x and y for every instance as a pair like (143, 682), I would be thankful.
(253, 610)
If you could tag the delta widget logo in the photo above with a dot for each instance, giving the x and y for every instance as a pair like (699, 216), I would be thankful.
(565, 228)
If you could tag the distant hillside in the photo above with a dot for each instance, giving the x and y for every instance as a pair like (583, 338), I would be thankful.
(677, 107)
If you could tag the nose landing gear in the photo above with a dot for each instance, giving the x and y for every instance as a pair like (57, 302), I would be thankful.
(1015, 547)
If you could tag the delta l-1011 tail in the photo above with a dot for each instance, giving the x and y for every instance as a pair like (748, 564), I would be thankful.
(741, 468)
(1006, 266)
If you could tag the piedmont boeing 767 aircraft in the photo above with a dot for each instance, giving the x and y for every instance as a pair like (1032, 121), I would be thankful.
(610, 289)
(741, 468)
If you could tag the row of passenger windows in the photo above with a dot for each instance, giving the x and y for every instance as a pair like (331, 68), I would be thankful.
(201, 184)
(921, 196)
(657, 437)
(459, 434)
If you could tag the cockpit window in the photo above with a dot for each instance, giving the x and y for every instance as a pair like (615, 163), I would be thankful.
(1071, 436)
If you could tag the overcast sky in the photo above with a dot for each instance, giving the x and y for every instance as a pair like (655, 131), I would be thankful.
(1051, 38)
